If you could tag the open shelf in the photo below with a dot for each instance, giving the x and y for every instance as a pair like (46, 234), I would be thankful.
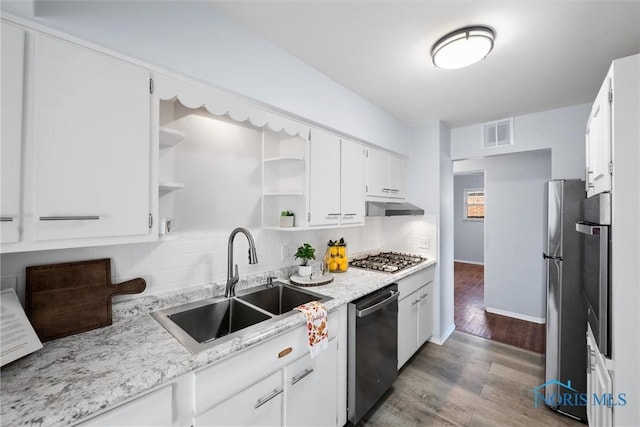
(277, 228)
(170, 137)
(166, 186)
(283, 159)
(285, 193)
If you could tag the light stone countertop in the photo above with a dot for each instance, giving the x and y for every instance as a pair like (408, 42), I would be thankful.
(75, 377)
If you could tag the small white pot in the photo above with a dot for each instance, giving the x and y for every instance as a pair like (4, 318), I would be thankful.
(304, 270)
(286, 221)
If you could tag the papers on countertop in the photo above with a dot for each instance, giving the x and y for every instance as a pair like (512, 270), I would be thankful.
(17, 337)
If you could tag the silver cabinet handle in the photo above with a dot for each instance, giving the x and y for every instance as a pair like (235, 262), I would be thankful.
(386, 190)
(423, 296)
(350, 214)
(263, 400)
(70, 218)
(395, 190)
(301, 376)
(333, 214)
(6, 219)
(415, 302)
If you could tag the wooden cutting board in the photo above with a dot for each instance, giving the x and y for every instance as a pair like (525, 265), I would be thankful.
(66, 299)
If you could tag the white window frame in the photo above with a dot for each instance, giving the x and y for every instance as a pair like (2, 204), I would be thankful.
(467, 191)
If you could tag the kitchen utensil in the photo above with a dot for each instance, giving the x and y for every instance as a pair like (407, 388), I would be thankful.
(66, 299)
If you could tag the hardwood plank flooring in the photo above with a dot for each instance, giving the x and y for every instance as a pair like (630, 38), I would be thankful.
(471, 317)
(468, 381)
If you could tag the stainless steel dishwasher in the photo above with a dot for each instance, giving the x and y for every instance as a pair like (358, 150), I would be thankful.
(372, 351)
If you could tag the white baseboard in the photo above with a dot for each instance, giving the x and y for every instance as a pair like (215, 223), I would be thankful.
(540, 320)
(445, 336)
(468, 262)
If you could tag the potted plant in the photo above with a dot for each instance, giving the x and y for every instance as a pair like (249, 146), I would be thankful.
(305, 253)
(286, 219)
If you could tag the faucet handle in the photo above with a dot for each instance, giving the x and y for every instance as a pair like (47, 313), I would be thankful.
(270, 280)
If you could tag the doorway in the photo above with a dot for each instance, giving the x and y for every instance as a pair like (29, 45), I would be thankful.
(499, 289)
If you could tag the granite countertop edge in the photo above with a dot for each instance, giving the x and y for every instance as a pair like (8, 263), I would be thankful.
(77, 377)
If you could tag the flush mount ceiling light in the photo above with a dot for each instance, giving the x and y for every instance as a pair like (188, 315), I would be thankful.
(462, 47)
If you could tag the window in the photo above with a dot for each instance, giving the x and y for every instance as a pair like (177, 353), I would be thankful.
(474, 204)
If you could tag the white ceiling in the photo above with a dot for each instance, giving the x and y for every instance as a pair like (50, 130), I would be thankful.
(547, 54)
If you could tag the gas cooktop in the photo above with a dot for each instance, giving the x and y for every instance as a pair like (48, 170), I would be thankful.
(388, 262)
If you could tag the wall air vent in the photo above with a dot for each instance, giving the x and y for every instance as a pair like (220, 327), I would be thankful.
(497, 134)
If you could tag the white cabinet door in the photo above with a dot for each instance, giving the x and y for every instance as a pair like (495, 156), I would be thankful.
(407, 327)
(324, 179)
(13, 51)
(386, 174)
(258, 405)
(91, 165)
(153, 409)
(425, 314)
(377, 173)
(352, 194)
(397, 177)
(598, 144)
(311, 389)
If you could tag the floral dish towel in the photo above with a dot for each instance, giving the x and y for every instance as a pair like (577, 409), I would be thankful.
(316, 314)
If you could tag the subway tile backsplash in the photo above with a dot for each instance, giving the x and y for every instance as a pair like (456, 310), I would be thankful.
(189, 259)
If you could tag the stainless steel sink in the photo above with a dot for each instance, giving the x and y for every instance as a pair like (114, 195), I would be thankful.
(206, 323)
(280, 298)
(217, 319)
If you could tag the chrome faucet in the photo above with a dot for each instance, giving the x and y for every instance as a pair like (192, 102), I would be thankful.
(232, 275)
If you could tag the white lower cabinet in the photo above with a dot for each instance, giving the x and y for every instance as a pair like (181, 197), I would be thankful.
(415, 313)
(311, 387)
(276, 383)
(258, 405)
(599, 385)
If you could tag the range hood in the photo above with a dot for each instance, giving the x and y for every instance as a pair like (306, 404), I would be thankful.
(392, 209)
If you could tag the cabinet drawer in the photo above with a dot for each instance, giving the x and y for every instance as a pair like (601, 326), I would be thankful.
(412, 283)
(219, 381)
(257, 405)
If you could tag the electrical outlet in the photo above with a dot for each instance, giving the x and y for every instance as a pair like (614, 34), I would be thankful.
(286, 252)
(424, 243)
(9, 282)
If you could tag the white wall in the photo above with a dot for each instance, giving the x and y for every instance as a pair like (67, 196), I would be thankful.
(445, 258)
(561, 130)
(514, 275)
(195, 39)
(468, 234)
(430, 187)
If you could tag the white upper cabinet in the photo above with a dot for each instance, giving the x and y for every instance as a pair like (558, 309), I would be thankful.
(336, 181)
(13, 55)
(598, 143)
(90, 173)
(398, 176)
(324, 179)
(352, 174)
(386, 174)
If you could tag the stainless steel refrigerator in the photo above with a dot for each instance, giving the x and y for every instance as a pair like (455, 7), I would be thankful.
(566, 316)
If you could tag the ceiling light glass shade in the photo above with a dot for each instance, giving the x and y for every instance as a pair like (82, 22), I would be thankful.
(462, 47)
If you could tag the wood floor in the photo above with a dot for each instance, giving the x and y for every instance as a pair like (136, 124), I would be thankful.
(468, 381)
(471, 317)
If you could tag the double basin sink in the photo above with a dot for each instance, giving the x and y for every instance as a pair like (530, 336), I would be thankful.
(203, 324)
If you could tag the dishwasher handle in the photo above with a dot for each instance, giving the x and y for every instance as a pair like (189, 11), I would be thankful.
(367, 311)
